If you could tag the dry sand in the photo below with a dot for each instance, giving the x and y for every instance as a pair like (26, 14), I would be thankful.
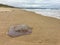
(46, 30)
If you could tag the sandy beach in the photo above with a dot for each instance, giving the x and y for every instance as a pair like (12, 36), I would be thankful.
(46, 30)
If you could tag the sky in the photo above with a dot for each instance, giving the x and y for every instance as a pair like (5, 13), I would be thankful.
(38, 1)
(32, 3)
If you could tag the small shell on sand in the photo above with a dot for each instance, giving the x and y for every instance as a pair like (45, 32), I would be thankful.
(19, 30)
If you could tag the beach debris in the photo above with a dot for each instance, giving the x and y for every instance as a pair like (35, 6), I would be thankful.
(19, 30)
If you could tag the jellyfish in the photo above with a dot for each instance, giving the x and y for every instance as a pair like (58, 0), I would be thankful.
(19, 30)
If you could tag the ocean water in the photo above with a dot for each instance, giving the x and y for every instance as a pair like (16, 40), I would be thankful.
(55, 13)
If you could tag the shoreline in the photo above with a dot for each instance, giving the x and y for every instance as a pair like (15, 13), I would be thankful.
(46, 12)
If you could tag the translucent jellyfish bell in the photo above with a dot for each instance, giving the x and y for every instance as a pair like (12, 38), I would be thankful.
(19, 30)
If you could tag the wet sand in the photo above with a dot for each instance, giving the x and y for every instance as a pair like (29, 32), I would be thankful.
(46, 30)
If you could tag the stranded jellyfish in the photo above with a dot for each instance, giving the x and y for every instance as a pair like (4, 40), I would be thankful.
(19, 30)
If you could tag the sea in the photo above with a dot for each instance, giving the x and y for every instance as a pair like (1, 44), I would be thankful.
(55, 13)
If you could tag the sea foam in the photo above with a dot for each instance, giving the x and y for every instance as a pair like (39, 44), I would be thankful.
(55, 13)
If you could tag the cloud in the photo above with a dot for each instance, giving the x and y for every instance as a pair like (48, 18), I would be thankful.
(32, 3)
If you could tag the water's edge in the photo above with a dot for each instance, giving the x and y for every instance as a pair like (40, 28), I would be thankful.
(46, 12)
